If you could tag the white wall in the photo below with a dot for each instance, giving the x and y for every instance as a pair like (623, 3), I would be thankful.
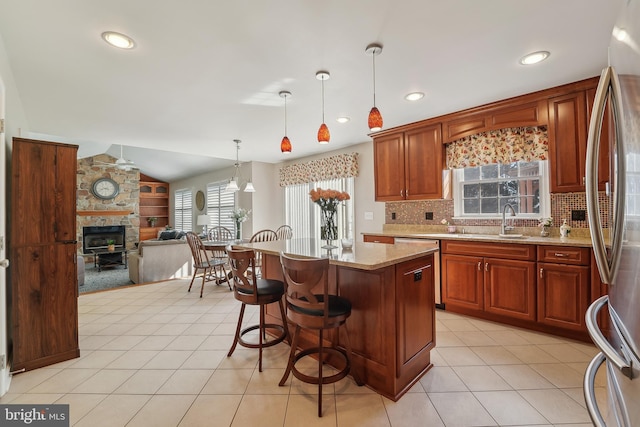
(15, 120)
(11, 110)
(267, 203)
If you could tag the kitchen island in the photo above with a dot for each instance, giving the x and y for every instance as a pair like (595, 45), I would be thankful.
(392, 325)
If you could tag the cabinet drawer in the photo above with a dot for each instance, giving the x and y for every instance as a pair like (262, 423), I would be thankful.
(379, 239)
(563, 255)
(498, 250)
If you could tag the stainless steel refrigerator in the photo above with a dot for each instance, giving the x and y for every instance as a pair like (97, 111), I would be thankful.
(617, 246)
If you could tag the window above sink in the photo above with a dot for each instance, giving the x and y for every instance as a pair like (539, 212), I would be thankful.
(481, 192)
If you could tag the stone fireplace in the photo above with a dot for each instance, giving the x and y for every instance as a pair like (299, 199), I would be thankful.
(121, 211)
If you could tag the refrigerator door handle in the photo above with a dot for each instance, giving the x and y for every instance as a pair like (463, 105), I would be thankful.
(624, 364)
(589, 390)
(608, 84)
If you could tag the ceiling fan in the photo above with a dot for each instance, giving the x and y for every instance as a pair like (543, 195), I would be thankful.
(121, 163)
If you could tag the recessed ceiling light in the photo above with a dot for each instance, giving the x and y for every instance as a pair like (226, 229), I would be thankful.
(414, 96)
(534, 58)
(343, 119)
(118, 40)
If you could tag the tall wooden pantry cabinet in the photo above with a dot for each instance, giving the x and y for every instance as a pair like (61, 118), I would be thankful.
(43, 272)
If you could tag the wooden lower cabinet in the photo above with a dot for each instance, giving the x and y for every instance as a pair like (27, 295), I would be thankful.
(498, 286)
(463, 281)
(45, 309)
(563, 295)
(510, 288)
(546, 288)
(378, 239)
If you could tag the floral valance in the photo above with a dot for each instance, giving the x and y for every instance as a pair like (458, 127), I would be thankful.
(499, 146)
(338, 166)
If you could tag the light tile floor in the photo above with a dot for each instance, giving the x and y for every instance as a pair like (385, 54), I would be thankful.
(155, 355)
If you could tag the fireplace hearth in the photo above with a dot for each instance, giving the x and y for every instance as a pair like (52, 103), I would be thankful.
(96, 237)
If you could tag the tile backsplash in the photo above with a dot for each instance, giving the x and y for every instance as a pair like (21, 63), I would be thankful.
(415, 212)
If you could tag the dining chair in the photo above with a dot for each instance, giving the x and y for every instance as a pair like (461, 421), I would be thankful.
(262, 236)
(201, 261)
(316, 312)
(284, 232)
(221, 234)
(252, 290)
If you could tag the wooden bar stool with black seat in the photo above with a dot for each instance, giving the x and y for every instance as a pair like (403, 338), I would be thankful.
(249, 289)
(310, 310)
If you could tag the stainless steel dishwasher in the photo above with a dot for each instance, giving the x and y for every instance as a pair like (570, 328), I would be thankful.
(436, 261)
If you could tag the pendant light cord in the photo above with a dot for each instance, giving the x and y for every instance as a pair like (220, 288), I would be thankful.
(374, 78)
(323, 100)
(285, 115)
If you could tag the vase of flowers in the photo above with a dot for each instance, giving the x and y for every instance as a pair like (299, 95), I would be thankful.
(239, 216)
(111, 245)
(328, 200)
(544, 224)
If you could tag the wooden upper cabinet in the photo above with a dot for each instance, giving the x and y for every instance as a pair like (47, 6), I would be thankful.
(465, 126)
(408, 165)
(529, 114)
(43, 180)
(569, 117)
(423, 163)
(154, 189)
(532, 113)
(389, 167)
(568, 142)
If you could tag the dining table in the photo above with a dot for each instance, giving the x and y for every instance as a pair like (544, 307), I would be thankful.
(217, 247)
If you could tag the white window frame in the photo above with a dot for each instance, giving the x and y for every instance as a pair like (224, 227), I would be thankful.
(545, 197)
(220, 205)
(183, 209)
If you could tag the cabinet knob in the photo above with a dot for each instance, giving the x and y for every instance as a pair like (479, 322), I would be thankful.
(541, 270)
(479, 265)
(486, 266)
(4, 263)
(561, 255)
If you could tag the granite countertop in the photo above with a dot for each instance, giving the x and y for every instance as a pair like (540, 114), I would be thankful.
(530, 236)
(364, 256)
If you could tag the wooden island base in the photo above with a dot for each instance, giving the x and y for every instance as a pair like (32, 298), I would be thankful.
(392, 326)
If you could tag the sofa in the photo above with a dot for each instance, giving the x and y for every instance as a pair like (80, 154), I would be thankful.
(157, 260)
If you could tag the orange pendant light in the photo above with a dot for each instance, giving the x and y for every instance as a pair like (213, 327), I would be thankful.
(285, 145)
(323, 133)
(375, 118)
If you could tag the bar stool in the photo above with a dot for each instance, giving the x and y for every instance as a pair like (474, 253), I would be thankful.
(249, 289)
(316, 312)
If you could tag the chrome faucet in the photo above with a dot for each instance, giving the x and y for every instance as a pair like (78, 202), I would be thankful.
(504, 228)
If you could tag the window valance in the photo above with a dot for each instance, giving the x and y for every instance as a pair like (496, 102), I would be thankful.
(338, 166)
(499, 146)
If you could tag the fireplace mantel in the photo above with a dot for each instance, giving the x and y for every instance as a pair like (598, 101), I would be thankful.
(104, 213)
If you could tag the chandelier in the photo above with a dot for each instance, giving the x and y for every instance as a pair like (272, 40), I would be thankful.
(235, 179)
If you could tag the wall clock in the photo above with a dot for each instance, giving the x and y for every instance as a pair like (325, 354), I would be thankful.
(200, 200)
(105, 188)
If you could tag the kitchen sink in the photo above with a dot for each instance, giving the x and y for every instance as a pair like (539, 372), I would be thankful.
(512, 236)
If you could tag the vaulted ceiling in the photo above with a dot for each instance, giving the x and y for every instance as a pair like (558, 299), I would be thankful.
(204, 73)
